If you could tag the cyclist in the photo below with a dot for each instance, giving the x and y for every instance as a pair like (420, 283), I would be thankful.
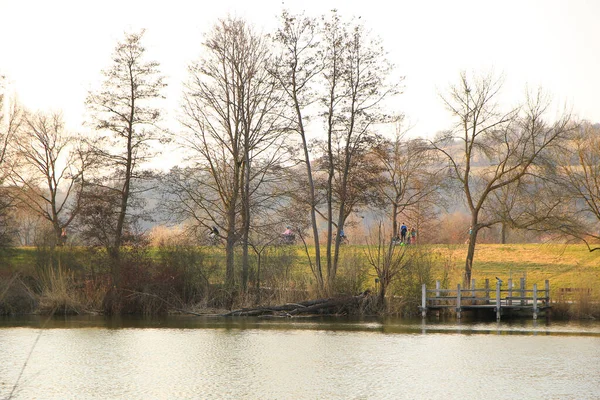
(288, 236)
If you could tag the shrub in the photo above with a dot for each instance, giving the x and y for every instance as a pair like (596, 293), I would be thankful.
(582, 305)
(186, 269)
(353, 272)
(280, 279)
(16, 297)
(139, 291)
(408, 286)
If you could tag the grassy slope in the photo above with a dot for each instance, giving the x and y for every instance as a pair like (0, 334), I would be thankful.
(563, 265)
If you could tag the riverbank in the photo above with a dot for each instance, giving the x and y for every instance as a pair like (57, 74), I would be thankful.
(158, 281)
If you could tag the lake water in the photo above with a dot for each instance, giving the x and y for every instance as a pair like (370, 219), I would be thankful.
(209, 358)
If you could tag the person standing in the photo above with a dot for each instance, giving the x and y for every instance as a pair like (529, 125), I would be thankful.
(403, 231)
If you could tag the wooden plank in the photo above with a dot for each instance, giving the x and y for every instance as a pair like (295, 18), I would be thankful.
(423, 301)
(498, 300)
(535, 301)
(458, 293)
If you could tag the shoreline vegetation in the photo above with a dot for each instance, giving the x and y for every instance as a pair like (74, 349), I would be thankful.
(158, 280)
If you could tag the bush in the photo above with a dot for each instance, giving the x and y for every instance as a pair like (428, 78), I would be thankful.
(16, 297)
(582, 305)
(139, 291)
(409, 285)
(353, 272)
(187, 270)
(280, 282)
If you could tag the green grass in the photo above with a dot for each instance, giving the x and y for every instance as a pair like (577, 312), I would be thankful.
(563, 265)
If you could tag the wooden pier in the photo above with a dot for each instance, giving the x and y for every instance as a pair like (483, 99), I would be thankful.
(499, 300)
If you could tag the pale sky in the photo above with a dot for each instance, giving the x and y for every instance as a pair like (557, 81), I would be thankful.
(53, 50)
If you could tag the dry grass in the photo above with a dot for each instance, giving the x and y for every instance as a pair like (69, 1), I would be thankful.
(58, 294)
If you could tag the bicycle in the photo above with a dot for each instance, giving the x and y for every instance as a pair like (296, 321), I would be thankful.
(287, 239)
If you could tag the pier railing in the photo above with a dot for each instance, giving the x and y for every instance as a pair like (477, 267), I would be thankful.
(498, 299)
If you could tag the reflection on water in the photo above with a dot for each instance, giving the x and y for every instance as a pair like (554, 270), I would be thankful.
(205, 358)
(386, 325)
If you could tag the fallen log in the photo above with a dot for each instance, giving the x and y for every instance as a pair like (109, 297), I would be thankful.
(330, 306)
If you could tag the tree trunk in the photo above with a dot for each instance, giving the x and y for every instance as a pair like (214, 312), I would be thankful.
(328, 305)
(394, 220)
(318, 268)
(381, 295)
(470, 256)
(246, 220)
(229, 251)
(258, 262)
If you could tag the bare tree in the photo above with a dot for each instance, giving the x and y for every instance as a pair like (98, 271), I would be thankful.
(576, 187)
(339, 68)
(231, 115)
(10, 121)
(297, 69)
(125, 115)
(412, 178)
(50, 171)
(488, 149)
(388, 261)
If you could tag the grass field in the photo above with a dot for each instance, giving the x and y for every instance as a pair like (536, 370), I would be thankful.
(565, 266)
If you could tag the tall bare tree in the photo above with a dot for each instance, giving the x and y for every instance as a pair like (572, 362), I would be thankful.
(297, 69)
(50, 171)
(125, 114)
(339, 68)
(489, 149)
(10, 120)
(231, 115)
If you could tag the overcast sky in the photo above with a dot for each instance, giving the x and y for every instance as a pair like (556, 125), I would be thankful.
(53, 51)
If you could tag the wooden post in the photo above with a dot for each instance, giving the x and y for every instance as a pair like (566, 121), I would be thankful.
(458, 309)
(522, 291)
(535, 301)
(548, 309)
(510, 287)
(498, 302)
(437, 288)
(473, 288)
(487, 291)
(423, 301)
